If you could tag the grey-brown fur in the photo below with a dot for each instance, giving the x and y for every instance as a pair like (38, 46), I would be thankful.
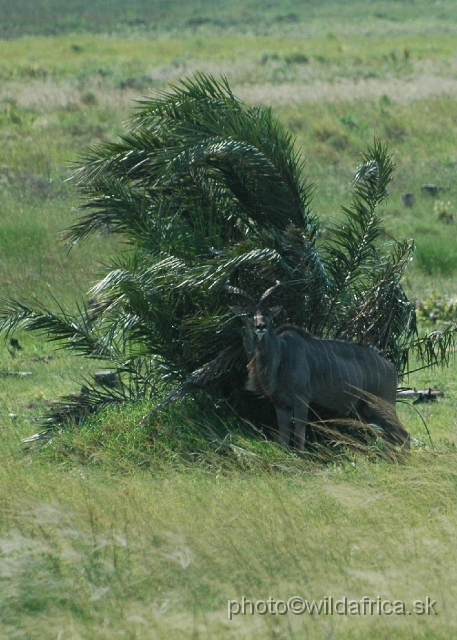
(294, 369)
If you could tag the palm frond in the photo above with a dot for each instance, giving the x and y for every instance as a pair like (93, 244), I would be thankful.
(433, 349)
(73, 332)
(195, 142)
(382, 315)
(351, 248)
(231, 358)
(134, 384)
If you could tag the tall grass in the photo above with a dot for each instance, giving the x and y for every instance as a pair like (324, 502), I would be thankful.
(158, 553)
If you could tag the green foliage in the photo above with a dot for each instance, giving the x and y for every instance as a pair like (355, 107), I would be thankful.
(207, 191)
(437, 309)
(440, 313)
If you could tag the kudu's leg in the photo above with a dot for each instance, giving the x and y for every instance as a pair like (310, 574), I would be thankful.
(284, 417)
(300, 420)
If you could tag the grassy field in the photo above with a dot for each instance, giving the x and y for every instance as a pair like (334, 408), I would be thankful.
(116, 530)
(260, 17)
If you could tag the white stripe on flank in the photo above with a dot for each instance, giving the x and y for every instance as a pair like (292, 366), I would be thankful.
(368, 371)
(378, 379)
(355, 351)
(330, 366)
(338, 367)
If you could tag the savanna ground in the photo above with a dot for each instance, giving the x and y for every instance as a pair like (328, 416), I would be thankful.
(116, 530)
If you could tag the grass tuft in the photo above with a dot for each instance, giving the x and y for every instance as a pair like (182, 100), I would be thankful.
(437, 255)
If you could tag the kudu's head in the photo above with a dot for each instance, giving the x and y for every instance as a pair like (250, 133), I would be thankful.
(256, 316)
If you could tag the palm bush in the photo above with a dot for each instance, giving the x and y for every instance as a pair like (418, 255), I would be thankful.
(207, 191)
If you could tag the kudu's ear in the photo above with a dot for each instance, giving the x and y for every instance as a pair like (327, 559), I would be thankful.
(274, 311)
(238, 311)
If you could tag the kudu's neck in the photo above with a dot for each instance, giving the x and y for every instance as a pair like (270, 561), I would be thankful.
(264, 365)
(249, 342)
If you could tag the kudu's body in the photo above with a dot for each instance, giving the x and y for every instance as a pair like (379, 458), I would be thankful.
(294, 369)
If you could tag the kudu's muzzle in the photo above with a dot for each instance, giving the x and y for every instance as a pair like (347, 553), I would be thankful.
(260, 330)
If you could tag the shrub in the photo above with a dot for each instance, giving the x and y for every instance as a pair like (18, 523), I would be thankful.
(207, 191)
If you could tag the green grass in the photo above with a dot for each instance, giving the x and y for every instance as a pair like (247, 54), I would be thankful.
(437, 255)
(158, 552)
(120, 530)
(255, 16)
(274, 59)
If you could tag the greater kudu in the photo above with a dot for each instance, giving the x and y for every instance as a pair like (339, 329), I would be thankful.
(294, 369)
